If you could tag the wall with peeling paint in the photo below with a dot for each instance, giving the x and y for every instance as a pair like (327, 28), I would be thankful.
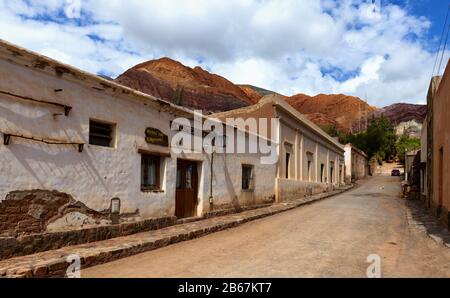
(98, 174)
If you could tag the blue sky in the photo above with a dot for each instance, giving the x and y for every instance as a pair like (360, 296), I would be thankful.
(384, 54)
(434, 10)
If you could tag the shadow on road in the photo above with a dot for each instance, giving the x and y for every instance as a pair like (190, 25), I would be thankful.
(421, 217)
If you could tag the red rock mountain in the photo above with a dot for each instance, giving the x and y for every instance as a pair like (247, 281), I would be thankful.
(196, 88)
(343, 111)
(190, 87)
(403, 112)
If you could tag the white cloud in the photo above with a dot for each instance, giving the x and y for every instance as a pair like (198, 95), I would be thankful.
(369, 73)
(281, 45)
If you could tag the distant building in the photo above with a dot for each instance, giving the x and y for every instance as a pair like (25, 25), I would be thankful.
(409, 161)
(356, 163)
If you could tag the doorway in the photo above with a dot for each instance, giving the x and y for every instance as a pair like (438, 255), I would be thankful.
(332, 174)
(187, 189)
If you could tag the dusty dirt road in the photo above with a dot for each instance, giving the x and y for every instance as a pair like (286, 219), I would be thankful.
(331, 238)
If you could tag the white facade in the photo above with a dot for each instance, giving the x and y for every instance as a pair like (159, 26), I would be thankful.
(47, 111)
(309, 160)
(356, 164)
(98, 174)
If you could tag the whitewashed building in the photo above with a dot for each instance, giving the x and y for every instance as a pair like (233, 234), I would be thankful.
(67, 130)
(309, 161)
(356, 164)
(109, 148)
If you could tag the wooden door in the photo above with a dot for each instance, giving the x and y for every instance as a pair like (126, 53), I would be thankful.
(187, 189)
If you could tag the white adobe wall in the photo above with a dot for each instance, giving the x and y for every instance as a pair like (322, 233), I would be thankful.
(303, 141)
(323, 159)
(309, 146)
(355, 163)
(227, 181)
(99, 174)
(94, 176)
(348, 163)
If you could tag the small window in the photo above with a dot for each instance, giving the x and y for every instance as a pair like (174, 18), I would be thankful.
(247, 177)
(150, 173)
(101, 134)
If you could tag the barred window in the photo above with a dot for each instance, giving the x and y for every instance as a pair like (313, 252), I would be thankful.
(101, 134)
(150, 173)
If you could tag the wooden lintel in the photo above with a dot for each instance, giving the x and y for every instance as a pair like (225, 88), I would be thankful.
(154, 153)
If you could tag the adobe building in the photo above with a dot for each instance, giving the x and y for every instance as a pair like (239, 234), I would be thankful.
(81, 152)
(356, 164)
(432, 89)
(410, 156)
(423, 161)
(439, 146)
(309, 161)
(78, 151)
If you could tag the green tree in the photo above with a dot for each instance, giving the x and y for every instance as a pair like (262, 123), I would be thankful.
(405, 144)
(378, 140)
(334, 132)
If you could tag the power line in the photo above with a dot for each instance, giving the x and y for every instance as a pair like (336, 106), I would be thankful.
(443, 49)
(440, 42)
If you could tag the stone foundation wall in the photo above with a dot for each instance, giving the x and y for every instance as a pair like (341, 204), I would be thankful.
(32, 211)
(34, 221)
(29, 212)
(35, 243)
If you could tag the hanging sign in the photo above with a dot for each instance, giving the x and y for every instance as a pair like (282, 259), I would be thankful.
(156, 137)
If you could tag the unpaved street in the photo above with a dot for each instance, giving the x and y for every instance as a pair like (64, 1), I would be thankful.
(331, 238)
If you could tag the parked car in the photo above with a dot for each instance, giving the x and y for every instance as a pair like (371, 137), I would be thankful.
(395, 173)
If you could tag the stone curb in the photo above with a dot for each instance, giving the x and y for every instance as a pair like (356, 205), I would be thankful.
(54, 263)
